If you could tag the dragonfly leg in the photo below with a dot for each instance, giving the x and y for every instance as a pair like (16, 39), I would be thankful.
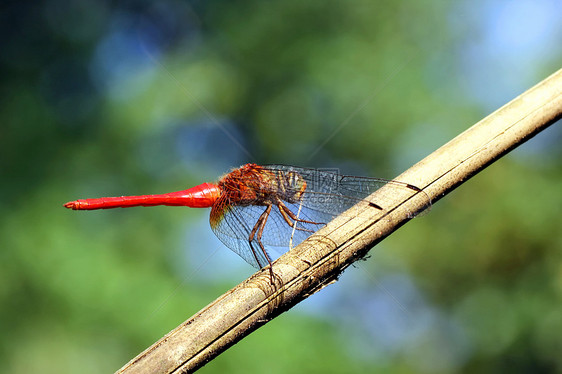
(257, 233)
(288, 215)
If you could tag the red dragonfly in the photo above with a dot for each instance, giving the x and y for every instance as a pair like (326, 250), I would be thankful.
(254, 207)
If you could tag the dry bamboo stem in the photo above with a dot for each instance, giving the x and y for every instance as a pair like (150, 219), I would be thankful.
(319, 260)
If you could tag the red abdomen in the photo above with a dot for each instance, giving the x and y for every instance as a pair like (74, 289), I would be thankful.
(201, 196)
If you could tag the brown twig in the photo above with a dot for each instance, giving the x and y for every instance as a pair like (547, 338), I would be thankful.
(319, 260)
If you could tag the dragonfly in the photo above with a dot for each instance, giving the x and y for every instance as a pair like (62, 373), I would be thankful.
(258, 207)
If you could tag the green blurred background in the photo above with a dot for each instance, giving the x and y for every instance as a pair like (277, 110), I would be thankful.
(104, 99)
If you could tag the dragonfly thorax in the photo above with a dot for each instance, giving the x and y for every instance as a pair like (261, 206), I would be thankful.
(254, 185)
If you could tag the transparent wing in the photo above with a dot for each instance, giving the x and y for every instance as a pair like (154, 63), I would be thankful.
(236, 223)
(333, 193)
(233, 229)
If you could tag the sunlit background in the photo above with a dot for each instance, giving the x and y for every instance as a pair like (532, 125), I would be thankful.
(103, 99)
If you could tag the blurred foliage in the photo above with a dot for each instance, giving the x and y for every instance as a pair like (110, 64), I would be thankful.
(100, 99)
